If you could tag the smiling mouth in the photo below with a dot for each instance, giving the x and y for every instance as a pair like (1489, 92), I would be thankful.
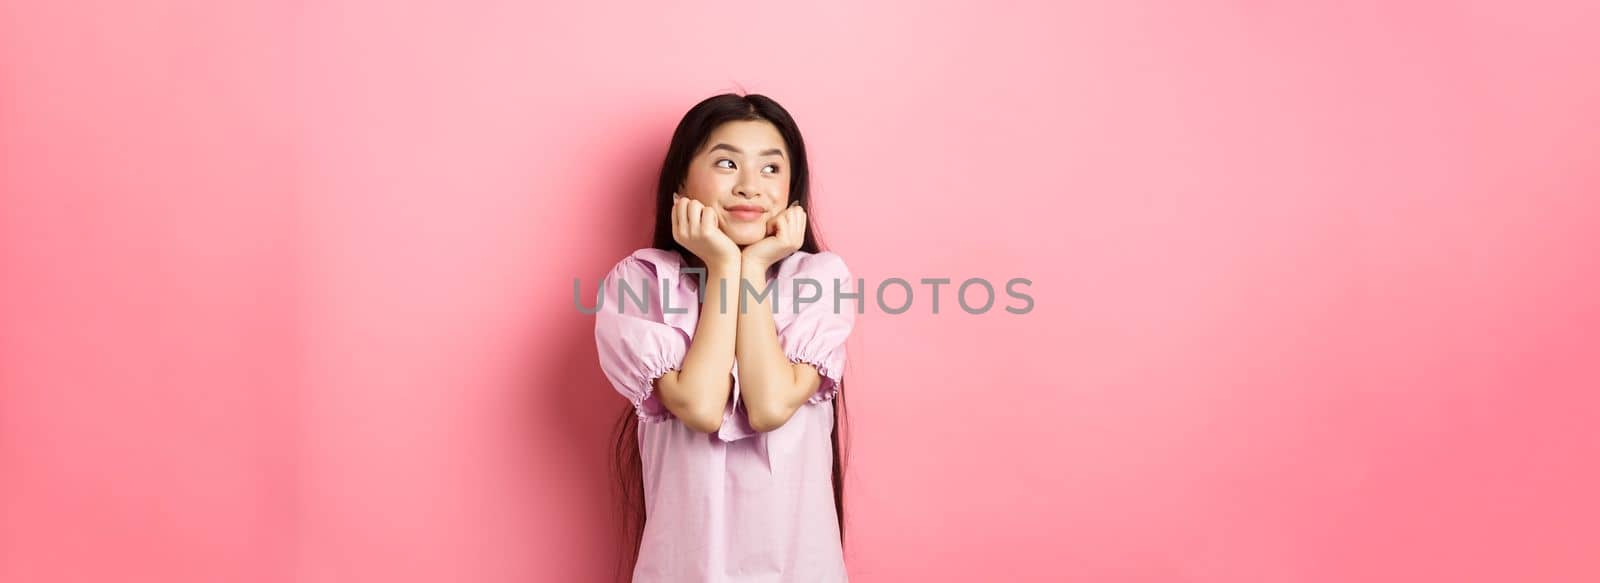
(746, 214)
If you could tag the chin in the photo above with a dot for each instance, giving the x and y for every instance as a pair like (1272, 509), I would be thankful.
(745, 236)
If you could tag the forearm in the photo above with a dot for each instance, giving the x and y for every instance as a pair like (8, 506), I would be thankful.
(699, 390)
(767, 380)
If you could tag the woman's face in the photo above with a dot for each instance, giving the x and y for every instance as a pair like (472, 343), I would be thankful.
(742, 171)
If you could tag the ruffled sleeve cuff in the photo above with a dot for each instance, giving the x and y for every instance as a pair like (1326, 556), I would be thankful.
(816, 335)
(830, 366)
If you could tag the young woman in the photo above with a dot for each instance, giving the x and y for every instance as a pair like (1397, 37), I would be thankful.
(728, 451)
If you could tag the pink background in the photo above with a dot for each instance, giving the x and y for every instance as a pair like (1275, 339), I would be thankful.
(287, 288)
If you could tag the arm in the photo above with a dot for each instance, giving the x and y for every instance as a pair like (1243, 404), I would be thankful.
(698, 392)
(771, 386)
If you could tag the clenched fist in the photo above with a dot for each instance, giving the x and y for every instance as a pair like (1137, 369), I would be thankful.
(698, 228)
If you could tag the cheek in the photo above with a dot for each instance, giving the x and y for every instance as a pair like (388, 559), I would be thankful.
(705, 186)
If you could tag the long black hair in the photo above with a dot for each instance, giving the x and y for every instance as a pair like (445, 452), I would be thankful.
(691, 134)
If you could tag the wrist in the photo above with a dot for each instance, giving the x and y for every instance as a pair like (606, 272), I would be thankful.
(753, 266)
(728, 267)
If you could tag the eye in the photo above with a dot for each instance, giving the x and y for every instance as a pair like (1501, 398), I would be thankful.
(774, 167)
(721, 160)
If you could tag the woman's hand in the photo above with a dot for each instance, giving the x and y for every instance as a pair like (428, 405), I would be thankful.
(786, 231)
(698, 228)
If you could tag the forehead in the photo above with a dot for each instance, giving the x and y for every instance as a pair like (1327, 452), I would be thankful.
(748, 135)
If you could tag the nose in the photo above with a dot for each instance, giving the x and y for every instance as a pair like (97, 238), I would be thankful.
(746, 191)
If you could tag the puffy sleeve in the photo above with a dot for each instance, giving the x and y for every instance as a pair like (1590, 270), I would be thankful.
(815, 331)
(636, 346)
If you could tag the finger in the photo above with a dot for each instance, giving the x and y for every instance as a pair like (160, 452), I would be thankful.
(684, 225)
(708, 219)
(792, 227)
(797, 226)
(786, 226)
(677, 218)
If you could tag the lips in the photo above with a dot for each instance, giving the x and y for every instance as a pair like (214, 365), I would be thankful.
(745, 212)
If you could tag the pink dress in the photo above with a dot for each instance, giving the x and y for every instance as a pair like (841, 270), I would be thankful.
(737, 505)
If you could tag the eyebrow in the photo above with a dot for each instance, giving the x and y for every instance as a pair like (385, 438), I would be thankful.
(772, 152)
